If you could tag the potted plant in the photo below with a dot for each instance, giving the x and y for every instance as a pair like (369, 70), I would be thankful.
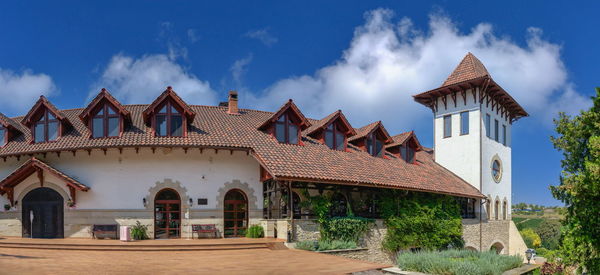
(6, 207)
(70, 203)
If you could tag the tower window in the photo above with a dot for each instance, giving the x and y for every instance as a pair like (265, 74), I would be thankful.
(285, 130)
(464, 123)
(488, 130)
(496, 132)
(334, 138)
(46, 128)
(447, 126)
(496, 170)
(504, 135)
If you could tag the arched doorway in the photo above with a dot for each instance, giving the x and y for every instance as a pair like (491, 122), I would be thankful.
(235, 214)
(497, 247)
(46, 208)
(167, 214)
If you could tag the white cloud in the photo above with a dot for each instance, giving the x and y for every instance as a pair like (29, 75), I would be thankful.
(19, 91)
(263, 36)
(387, 62)
(142, 80)
(192, 35)
(239, 67)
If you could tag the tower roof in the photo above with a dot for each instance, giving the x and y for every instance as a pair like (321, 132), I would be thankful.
(469, 74)
(469, 68)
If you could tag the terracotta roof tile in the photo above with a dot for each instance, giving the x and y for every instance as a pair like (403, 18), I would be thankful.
(469, 68)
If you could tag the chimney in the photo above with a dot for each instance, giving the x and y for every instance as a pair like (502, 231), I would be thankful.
(232, 104)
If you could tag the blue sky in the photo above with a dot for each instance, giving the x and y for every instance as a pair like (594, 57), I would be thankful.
(364, 57)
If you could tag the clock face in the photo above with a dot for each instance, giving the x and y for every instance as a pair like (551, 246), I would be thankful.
(496, 169)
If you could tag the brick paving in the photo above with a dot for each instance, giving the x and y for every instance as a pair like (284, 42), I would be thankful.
(252, 261)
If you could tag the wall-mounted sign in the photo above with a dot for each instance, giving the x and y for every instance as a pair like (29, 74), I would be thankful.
(202, 201)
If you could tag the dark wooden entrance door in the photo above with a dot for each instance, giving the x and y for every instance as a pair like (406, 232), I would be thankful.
(167, 215)
(235, 214)
(46, 206)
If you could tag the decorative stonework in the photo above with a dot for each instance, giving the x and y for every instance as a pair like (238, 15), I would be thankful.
(167, 183)
(498, 178)
(36, 185)
(237, 184)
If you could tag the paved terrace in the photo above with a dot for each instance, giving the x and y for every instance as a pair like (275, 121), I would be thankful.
(272, 259)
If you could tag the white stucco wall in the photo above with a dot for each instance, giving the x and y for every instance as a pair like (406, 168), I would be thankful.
(121, 181)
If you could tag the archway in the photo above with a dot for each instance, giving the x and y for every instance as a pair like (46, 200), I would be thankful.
(497, 247)
(235, 214)
(496, 209)
(42, 214)
(470, 248)
(167, 214)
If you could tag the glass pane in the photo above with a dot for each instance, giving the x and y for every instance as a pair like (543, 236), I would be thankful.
(293, 134)
(403, 152)
(330, 127)
(240, 223)
(161, 125)
(163, 110)
(39, 132)
(229, 223)
(174, 216)
(111, 111)
(101, 112)
(2, 137)
(98, 127)
(378, 147)
(43, 117)
(160, 207)
(447, 126)
(329, 139)
(503, 134)
(176, 126)
(411, 155)
(113, 127)
(369, 145)
(488, 130)
(339, 139)
(496, 132)
(280, 132)
(51, 116)
(464, 123)
(173, 109)
(228, 215)
(235, 195)
(167, 194)
(174, 207)
(52, 130)
(281, 118)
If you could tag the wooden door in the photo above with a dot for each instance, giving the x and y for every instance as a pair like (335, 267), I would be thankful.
(235, 216)
(167, 215)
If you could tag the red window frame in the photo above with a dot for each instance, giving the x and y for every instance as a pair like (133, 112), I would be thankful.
(46, 121)
(169, 115)
(334, 133)
(287, 121)
(374, 138)
(105, 117)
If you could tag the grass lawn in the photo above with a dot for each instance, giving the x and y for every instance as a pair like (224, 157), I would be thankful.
(523, 223)
(459, 262)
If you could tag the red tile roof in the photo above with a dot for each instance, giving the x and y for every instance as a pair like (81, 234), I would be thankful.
(469, 68)
(365, 130)
(31, 166)
(213, 127)
(104, 94)
(320, 124)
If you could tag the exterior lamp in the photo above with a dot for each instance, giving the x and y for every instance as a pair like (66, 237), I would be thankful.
(529, 254)
(144, 201)
(191, 202)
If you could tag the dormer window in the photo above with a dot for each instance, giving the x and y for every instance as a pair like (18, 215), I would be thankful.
(168, 121)
(374, 145)
(105, 122)
(407, 153)
(3, 136)
(286, 131)
(335, 138)
(46, 128)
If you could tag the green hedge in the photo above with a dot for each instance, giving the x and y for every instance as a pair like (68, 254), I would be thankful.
(324, 245)
(255, 231)
(345, 228)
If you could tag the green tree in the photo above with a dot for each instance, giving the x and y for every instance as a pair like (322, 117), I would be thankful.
(531, 238)
(579, 141)
(549, 232)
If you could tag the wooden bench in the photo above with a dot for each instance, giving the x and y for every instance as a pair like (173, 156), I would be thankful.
(204, 228)
(108, 230)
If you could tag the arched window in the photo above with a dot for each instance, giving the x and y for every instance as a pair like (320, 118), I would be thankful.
(504, 210)
(46, 127)
(286, 131)
(235, 214)
(169, 122)
(374, 145)
(105, 122)
(3, 136)
(496, 209)
(488, 209)
(335, 138)
(339, 205)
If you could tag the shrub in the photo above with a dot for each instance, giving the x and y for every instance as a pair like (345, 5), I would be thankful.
(549, 232)
(531, 238)
(461, 262)
(307, 245)
(324, 245)
(139, 231)
(551, 269)
(255, 231)
(345, 228)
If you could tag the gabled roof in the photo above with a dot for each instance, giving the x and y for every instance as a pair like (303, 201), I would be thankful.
(304, 123)
(321, 124)
(8, 123)
(169, 94)
(469, 68)
(103, 95)
(471, 73)
(33, 165)
(42, 103)
(365, 130)
(402, 138)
